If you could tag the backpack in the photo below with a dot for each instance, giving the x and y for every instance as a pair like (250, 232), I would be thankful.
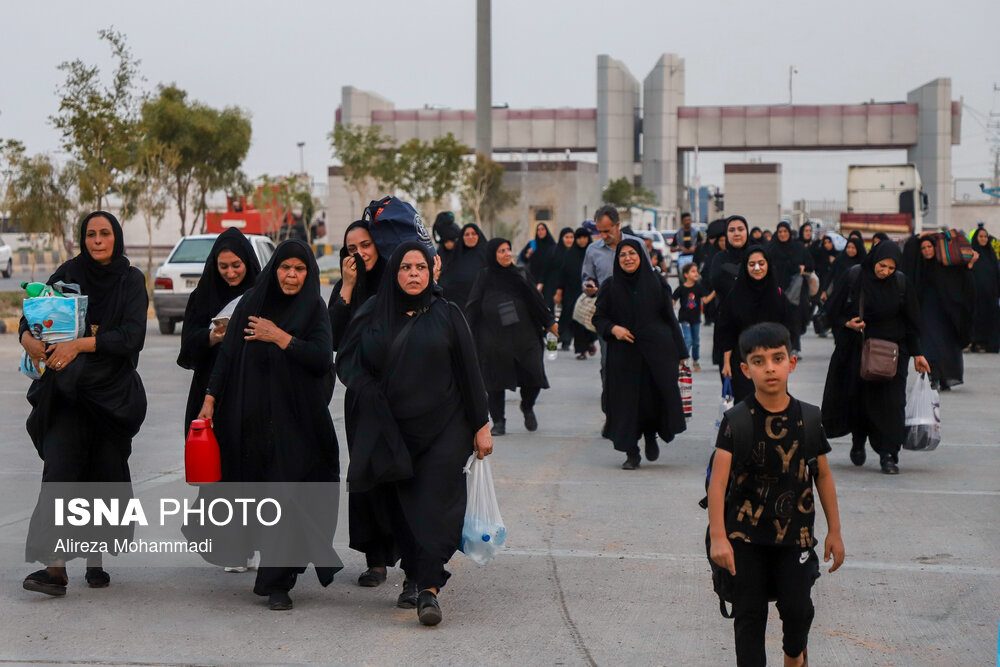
(951, 248)
(741, 422)
(392, 221)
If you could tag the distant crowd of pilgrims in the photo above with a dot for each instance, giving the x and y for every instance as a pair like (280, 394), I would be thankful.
(427, 343)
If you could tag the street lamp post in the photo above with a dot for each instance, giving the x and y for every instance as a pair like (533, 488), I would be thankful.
(792, 70)
(302, 161)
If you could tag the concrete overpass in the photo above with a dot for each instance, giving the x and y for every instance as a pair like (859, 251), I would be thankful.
(642, 133)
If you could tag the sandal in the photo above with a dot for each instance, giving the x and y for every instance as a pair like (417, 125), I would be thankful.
(97, 578)
(43, 582)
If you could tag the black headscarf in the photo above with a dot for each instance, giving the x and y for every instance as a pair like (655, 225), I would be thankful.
(634, 296)
(99, 282)
(542, 257)
(880, 236)
(757, 300)
(726, 263)
(990, 265)
(881, 294)
(368, 280)
(392, 303)
(213, 292)
(509, 279)
(845, 261)
(266, 299)
(785, 257)
(755, 235)
(856, 235)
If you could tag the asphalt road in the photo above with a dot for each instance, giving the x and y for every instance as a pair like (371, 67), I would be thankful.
(602, 566)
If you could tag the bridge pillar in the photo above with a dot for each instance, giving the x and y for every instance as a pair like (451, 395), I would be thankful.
(617, 116)
(663, 93)
(932, 152)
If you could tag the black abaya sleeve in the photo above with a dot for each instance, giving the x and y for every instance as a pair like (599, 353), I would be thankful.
(340, 315)
(230, 346)
(127, 339)
(727, 327)
(602, 311)
(540, 313)
(836, 303)
(671, 318)
(312, 353)
(469, 374)
(911, 318)
(471, 308)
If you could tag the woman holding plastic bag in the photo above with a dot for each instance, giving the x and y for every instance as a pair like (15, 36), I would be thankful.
(421, 411)
(868, 409)
(230, 270)
(90, 402)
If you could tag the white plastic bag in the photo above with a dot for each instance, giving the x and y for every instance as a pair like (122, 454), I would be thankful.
(483, 532)
(923, 420)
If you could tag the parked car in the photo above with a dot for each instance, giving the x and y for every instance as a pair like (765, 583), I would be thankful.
(6, 259)
(179, 275)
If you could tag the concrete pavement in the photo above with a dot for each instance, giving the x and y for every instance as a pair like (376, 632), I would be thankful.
(602, 566)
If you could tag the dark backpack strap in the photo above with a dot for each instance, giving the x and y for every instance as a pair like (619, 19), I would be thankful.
(741, 425)
(812, 427)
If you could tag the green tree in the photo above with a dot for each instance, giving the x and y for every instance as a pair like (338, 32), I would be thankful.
(280, 200)
(37, 201)
(98, 121)
(426, 172)
(224, 138)
(622, 194)
(152, 188)
(483, 194)
(363, 153)
(11, 154)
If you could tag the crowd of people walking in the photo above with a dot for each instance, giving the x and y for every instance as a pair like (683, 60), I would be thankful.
(429, 340)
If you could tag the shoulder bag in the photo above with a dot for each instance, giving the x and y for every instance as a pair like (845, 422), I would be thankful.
(879, 357)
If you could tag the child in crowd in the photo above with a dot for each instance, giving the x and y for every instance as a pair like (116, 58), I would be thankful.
(761, 526)
(690, 296)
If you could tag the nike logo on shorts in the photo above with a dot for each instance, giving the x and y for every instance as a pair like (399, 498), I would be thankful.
(803, 557)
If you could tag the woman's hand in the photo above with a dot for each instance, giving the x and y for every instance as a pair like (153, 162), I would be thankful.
(35, 349)
(216, 335)
(557, 297)
(349, 271)
(207, 408)
(975, 256)
(554, 329)
(437, 268)
(920, 364)
(683, 362)
(622, 334)
(856, 324)
(484, 442)
(727, 370)
(264, 330)
(60, 355)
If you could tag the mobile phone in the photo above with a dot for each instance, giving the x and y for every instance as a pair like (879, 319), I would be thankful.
(220, 321)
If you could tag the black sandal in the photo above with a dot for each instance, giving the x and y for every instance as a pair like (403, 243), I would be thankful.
(43, 582)
(97, 578)
(371, 578)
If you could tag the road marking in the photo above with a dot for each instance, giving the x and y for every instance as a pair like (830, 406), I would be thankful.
(701, 558)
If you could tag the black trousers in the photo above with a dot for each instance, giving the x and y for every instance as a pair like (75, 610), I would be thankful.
(419, 564)
(764, 572)
(495, 399)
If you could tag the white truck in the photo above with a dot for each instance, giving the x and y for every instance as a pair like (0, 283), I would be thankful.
(883, 198)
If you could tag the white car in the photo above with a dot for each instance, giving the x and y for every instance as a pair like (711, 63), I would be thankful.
(6, 259)
(179, 275)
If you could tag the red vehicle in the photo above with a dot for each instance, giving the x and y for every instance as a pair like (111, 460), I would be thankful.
(249, 220)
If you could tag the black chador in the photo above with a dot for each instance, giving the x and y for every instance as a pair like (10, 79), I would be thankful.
(411, 361)
(722, 273)
(208, 298)
(272, 416)
(463, 267)
(364, 287)
(642, 390)
(750, 302)
(986, 272)
(508, 316)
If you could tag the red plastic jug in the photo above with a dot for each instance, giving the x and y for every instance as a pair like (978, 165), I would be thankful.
(202, 463)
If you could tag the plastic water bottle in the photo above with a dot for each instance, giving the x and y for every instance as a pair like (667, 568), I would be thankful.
(552, 345)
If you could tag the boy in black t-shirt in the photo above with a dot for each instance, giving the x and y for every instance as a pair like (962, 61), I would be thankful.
(763, 531)
(689, 297)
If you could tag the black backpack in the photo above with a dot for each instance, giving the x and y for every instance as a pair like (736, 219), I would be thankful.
(741, 422)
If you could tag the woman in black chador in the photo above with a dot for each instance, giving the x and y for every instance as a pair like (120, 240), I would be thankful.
(458, 274)
(90, 402)
(986, 272)
(568, 290)
(269, 396)
(725, 267)
(508, 317)
(872, 410)
(421, 411)
(947, 296)
(755, 298)
(230, 270)
(635, 314)
(790, 258)
(362, 268)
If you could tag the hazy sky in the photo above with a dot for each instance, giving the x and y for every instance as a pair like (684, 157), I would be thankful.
(286, 62)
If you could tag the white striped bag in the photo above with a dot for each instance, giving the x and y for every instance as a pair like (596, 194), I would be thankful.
(684, 380)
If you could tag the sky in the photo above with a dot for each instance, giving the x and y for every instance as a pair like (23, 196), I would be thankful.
(286, 62)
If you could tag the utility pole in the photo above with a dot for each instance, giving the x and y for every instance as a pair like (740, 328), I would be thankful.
(302, 159)
(792, 70)
(484, 86)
